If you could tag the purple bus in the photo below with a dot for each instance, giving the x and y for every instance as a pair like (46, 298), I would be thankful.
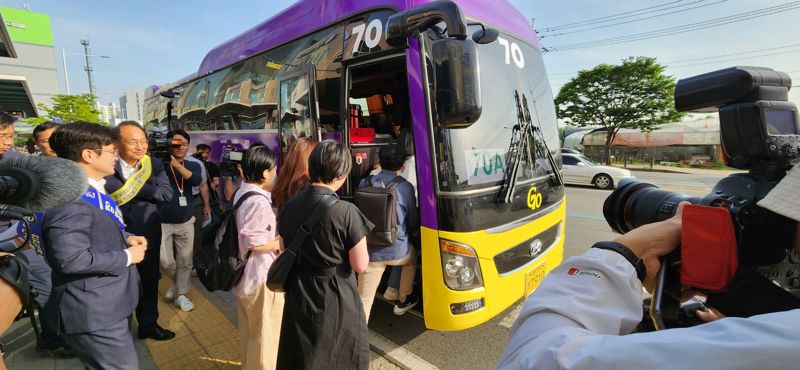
(466, 78)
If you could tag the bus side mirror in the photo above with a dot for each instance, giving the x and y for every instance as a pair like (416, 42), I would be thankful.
(457, 88)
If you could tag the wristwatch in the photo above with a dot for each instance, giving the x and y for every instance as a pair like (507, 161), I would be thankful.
(638, 264)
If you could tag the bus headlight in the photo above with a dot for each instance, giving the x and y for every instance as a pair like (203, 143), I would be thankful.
(460, 266)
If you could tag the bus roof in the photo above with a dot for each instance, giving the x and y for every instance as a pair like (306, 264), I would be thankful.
(309, 15)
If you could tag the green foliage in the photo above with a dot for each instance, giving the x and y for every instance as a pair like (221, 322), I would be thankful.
(70, 108)
(635, 94)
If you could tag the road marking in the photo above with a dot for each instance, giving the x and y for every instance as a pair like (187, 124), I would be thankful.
(586, 217)
(508, 321)
(396, 354)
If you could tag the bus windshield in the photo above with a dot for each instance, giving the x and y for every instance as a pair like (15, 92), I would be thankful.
(475, 157)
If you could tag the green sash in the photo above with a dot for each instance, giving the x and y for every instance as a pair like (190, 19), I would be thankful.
(131, 187)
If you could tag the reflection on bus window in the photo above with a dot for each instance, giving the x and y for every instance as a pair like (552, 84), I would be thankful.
(295, 110)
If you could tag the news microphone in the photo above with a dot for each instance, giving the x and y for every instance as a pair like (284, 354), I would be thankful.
(40, 183)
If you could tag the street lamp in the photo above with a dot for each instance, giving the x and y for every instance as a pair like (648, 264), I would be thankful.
(88, 67)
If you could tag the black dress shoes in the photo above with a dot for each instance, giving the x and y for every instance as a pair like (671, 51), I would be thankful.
(156, 332)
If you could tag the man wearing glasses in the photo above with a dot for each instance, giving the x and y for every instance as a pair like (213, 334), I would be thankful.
(177, 220)
(140, 185)
(95, 286)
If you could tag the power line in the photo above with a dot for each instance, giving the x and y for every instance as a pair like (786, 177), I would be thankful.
(603, 19)
(633, 20)
(736, 59)
(681, 29)
(732, 54)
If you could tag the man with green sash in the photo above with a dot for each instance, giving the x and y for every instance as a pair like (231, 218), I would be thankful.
(139, 185)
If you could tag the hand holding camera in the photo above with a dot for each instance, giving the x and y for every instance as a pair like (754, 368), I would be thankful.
(652, 241)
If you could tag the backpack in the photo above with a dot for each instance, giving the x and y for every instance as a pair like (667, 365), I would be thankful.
(217, 261)
(379, 205)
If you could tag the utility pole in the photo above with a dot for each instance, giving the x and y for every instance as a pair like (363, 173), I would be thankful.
(88, 67)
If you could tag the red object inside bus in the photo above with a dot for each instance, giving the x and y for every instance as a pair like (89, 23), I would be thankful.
(362, 135)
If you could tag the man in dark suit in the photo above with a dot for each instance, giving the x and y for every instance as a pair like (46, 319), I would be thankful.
(95, 286)
(139, 185)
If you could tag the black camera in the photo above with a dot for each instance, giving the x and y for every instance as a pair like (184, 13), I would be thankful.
(159, 146)
(232, 155)
(759, 132)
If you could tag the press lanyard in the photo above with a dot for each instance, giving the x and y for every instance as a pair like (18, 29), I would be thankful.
(180, 187)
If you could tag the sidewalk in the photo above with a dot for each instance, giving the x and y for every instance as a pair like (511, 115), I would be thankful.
(206, 338)
(668, 169)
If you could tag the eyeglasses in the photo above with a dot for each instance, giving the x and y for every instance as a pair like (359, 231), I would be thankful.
(136, 142)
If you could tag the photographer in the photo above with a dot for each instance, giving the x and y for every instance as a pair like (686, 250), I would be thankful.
(583, 313)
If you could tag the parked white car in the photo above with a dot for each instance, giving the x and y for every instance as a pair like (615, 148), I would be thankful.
(580, 170)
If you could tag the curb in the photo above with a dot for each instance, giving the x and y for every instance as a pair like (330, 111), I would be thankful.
(396, 354)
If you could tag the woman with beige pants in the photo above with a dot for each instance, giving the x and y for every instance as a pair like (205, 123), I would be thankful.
(260, 310)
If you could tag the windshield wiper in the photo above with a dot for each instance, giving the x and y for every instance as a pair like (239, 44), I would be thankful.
(520, 146)
(556, 174)
(516, 149)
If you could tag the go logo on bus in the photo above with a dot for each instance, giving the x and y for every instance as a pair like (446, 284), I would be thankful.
(534, 198)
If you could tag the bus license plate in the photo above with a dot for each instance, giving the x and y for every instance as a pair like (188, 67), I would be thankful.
(533, 278)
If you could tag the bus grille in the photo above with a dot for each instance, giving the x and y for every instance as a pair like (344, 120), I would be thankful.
(527, 251)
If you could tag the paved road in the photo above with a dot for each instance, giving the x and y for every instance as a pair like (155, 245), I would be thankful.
(481, 347)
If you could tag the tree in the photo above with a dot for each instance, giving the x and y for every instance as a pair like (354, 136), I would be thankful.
(635, 94)
(70, 108)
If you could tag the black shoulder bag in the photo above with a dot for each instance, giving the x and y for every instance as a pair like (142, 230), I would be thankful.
(282, 266)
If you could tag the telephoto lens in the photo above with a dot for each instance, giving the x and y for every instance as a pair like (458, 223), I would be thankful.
(635, 203)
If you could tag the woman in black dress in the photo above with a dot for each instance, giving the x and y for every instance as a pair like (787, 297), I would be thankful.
(323, 319)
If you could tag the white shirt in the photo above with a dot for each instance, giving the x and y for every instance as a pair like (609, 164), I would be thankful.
(128, 170)
(584, 321)
(203, 173)
(100, 185)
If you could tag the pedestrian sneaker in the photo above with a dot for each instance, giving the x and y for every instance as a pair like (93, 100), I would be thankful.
(390, 294)
(170, 294)
(184, 303)
(403, 307)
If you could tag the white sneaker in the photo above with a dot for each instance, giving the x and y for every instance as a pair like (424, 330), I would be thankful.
(184, 303)
(170, 294)
(390, 294)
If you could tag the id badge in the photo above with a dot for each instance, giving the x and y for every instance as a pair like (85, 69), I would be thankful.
(182, 201)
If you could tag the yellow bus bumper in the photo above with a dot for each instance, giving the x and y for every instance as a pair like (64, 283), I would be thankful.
(498, 292)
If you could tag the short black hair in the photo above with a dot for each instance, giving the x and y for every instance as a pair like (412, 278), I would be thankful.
(255, 161)
(118, 129)
(391, 157)
(6, 120)
(405, 140)
(44, 126)
(73, 138)
(202, 146)
(329, 159)
(179, 132)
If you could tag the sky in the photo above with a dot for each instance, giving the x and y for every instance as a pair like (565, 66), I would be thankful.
(155, 42)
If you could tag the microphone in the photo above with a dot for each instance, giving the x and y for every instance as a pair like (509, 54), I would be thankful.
(40, 183)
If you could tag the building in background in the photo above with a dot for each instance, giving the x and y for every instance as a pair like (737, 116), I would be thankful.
(689, 142)
(110, 113)
(131, 103)
(27, 62)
